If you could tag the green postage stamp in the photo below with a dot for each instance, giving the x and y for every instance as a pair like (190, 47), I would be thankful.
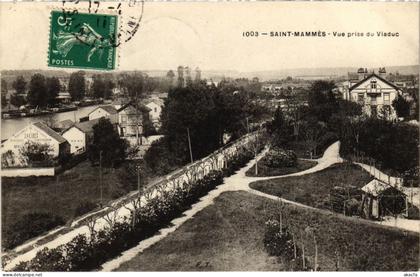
(82, 40)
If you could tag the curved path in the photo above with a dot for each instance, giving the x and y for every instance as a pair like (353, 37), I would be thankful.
(236, 182)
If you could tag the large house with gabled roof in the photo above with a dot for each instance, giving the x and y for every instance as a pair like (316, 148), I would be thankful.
(373, 92)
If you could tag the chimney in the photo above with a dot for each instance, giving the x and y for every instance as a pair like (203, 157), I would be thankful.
(361, 73)
(382, 72)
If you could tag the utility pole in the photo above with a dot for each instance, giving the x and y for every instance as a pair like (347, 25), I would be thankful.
(100, 174)
(255, 152)
(137, 117)
(189, 144)
(138, 179)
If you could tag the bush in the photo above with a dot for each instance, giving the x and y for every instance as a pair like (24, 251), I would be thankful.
(29, 226)
(276, 242)
(411, 177)
(413, 213)
(352, 207)
(84, 208)
(278, 157)
(50, 260)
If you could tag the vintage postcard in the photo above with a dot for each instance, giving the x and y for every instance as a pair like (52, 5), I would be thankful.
(185, 136)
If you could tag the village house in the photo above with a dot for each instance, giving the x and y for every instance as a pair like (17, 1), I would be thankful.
(36, 133)
(130, 122)
(155, 106)
(372, 91)
(63, 97)
(107, 111)
(80, 136)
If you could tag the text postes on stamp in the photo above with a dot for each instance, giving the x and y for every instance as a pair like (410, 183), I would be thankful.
(82, 40)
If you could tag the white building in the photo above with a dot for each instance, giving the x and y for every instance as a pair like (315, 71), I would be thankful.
(80, 135)
(375, 94)
(107, 111)
(155, 106)
(37, 133)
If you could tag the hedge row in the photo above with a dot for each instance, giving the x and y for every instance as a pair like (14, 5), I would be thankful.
(85, 253)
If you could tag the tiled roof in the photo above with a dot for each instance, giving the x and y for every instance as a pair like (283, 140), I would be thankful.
(87, 126)
(64, 124)
(130, 107)
(376, 76)
(376, 187)
(108, 108)
(50, 132)
(157, 101)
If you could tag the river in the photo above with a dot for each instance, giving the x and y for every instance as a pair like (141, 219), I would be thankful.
(12, 125)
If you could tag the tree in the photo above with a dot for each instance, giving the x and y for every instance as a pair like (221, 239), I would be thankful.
(17, 100)
(77, 85)
(132, 85)
(279, 128)
(4, 87)
(98, 86)
(3, 93)
(313, 133)
(170, 75)
(189, 107)
(401, 106)
(107, 143)
(109, 87)
(37, 91)
(19, 85)
(34, 154)
(322, 102)
(53, 88)
(102, 86)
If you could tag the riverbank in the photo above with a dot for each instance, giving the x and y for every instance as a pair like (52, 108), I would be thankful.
(12, 125)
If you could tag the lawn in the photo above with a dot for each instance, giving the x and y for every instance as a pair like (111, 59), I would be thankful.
(228, 236)
(264, 170)
(62, 194)
(314, 189)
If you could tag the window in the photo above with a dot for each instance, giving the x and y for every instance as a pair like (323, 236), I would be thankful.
(386, 98)
(373, 84)
(155, 110)
(123, 119)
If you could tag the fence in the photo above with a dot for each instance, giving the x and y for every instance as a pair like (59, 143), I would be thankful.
(187, 174)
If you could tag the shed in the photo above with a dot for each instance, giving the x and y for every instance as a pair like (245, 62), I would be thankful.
(380, 199)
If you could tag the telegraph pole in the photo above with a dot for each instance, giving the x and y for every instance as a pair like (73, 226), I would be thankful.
(189, 144)
(100, 174)
(137, 117)
(138, 179)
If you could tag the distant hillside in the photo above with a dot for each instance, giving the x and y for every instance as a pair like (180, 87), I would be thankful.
(332, 71)
(217, 75)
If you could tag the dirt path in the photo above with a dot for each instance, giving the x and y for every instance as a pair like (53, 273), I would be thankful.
(236, 182)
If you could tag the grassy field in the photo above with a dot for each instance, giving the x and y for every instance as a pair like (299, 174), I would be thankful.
(314, 189)
(228, 236)
(62, 194)
(264, 170)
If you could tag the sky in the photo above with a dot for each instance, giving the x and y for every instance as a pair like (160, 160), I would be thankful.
(209, 35)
